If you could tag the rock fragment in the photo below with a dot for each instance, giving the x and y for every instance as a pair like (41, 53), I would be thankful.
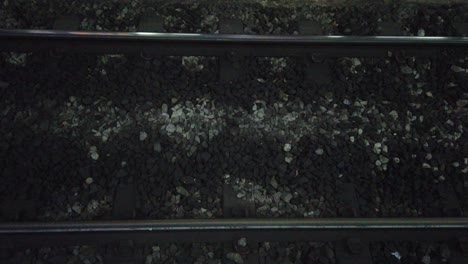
(274, 183)
(406, 70)
(242, 242)
(181, 190)
(170, 128)
(236, 257)
(143, 136)
(89, 181)
(93, 153)
(319, 151)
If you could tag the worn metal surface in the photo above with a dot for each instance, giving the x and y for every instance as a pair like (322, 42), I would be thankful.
(352, 250)
(186, 44)
(236, 224)
(222, 230)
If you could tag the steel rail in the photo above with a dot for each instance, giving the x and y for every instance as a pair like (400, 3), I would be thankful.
(223, 44)
(219, 230)
(237, 38)
(236, 224)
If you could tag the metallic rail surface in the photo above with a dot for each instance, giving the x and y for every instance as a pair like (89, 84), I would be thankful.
(236, 224)
(235, 38)
(219, 230)
(222, 44)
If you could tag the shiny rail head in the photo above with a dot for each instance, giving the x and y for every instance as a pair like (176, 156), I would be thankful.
(189, 44)
(234, 38)
(237, 224)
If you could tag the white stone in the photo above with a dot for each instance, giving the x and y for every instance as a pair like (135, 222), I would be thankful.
(89, 180)
(94, 155)
(164, 108)
(236, 257)
(457, 68)
(426, 259)
(274, 183)
(393, 114)
(170, 128)
(182, 190)
(396, 254)
(385, 148)
(377, 148)
(319, 151)
(157, 147)
(76, 208)
(287, 197)
(143, 136)
(242, 242)
(406, 70)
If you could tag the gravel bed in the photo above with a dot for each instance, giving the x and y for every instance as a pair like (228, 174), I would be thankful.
(77, 126)
(399, 137)
(73, 254)
(196, 253)
(322, 253)
(265, 252)
(410, 252)
(265, 17)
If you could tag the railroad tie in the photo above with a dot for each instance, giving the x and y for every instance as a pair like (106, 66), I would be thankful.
(234, 207)
(351, 250)
(18, 209)
(150, 22)
(230, 65)
(461, 29)
(390, 29)
(67, 22)
(459, 251)
(124, 251)
(316, 69)
(451, 205)
(452, 208)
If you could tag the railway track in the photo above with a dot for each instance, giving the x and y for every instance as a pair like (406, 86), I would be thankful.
(226, 230)
(348, 227)
(355, 233)
(187, 44)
